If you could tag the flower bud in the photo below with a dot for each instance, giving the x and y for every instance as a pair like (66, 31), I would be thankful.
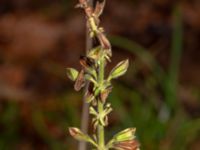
(78, 134)
(127, 134)
(119, 70)
(72, 73)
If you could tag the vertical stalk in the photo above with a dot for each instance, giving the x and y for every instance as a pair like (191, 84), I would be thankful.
(85, 108)
(84, 121)
(100, 128)
(100, 131)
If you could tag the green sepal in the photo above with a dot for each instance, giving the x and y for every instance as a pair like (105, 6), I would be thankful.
(72, 73)
(119, 70)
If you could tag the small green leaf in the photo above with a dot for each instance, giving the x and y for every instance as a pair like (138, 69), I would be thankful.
(119, 70)
(72, 73)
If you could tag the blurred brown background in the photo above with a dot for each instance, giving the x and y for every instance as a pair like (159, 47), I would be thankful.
(159, 95)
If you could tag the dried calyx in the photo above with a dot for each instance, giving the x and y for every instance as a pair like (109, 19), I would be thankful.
(92, 72)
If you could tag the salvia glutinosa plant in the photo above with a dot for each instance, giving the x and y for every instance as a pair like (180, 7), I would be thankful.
(92, 72)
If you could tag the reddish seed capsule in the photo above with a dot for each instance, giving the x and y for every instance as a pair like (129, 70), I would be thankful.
(80, 81)
(128, 145)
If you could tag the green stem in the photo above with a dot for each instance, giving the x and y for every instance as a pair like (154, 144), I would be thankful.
(100, 128)
(101, 141)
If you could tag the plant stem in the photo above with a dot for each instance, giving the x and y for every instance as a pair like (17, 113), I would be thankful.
(100, 128)
(85, 107)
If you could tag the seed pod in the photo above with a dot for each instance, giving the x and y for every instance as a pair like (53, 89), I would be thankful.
(105, 43)
(78, 134)
(99, 8)
(80, 81)
(127, 145)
